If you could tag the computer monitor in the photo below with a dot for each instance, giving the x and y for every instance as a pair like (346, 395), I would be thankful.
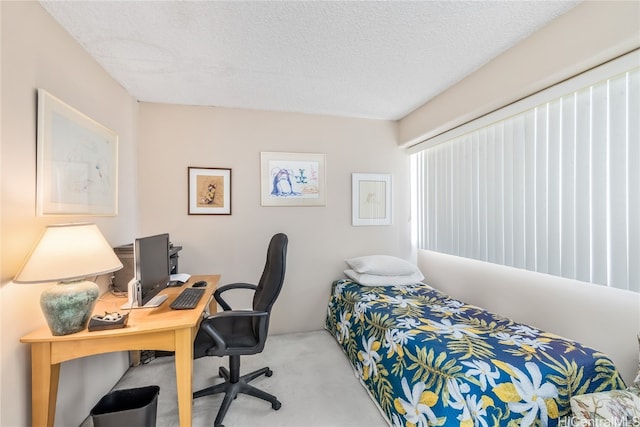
(152, 267)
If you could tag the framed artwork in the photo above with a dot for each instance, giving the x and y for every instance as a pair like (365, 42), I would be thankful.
(77, 162)
(292, 179)
(209, 191)
(370, 199)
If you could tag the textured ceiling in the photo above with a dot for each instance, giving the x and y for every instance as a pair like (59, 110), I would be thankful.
(346, 58)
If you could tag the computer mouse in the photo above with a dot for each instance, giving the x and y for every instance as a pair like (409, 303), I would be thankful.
(200, 284)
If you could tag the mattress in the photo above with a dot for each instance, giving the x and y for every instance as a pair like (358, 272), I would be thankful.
(430, 360)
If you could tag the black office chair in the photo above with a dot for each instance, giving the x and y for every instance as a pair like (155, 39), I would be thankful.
(235, 333)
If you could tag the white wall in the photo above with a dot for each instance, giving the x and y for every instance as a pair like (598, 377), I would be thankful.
(36, 52)
(606, 319)
(173, 138)
(588, 35)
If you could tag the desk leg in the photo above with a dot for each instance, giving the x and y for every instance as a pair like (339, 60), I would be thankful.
(184, 374)
(44, 385)
(134, 357)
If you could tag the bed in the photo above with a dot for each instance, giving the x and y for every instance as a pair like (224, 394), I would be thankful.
(427, 359)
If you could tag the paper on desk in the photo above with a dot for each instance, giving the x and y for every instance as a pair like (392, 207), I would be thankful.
(179, 277)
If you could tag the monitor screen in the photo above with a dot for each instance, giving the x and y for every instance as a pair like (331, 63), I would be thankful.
(151, 258)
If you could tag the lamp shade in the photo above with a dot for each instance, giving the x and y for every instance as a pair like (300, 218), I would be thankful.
(67, 252)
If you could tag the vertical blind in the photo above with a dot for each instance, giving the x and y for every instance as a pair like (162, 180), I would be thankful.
(553, 189)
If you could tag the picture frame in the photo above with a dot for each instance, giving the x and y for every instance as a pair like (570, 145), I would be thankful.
(77, 162)
(209, 191)
(371, 199)
(293, 179)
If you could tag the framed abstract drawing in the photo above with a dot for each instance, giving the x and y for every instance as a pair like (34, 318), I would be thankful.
(209, 191)
(370, 199)
(292, 179)
(77, 162)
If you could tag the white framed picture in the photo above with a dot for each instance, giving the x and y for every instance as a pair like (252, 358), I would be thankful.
(209, 191)
(77, 162)
(370, 199)
(292, 179)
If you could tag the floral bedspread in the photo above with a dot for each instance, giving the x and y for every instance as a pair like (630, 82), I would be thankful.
(430, 360)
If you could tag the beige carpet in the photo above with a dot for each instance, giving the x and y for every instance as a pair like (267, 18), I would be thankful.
(311, 377)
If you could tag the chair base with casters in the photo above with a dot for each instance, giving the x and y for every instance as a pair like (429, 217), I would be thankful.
(234, 384)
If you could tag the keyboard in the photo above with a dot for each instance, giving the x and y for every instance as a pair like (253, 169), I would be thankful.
(187, 299)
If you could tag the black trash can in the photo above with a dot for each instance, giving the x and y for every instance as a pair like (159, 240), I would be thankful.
(127, 407)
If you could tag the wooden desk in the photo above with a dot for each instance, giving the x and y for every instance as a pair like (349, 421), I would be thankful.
(159, 328)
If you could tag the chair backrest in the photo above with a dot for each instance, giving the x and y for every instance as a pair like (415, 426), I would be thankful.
(272, 277)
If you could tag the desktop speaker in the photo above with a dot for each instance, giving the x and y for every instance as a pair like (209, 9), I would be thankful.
(121, 277)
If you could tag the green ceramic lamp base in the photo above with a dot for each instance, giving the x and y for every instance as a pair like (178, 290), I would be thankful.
(67, 306)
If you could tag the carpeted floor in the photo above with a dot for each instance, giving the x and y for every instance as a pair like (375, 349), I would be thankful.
(311, 377)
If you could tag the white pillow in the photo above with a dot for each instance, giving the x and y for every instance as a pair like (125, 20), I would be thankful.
(376, 280)
(382, 265)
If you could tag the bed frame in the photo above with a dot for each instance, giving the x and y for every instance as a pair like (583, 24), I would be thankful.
(603, 318)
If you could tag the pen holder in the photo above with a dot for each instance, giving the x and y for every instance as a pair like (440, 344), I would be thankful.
(108, 321)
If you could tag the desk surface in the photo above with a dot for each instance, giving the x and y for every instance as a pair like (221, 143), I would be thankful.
(141, 320)
(159, 328)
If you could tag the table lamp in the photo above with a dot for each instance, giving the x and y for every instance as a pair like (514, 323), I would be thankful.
(67, 253)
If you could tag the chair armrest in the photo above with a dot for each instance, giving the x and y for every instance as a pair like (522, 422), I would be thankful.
(218, 293)
(238, 313)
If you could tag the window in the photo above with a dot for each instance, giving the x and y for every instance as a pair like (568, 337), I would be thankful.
(549, 184)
